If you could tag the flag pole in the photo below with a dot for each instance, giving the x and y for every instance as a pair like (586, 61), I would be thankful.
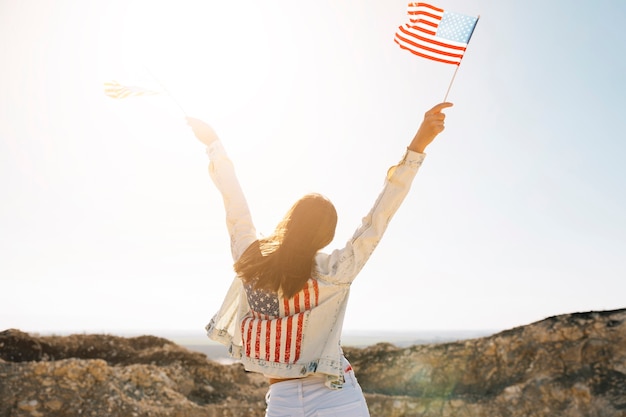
(451, 81)
(166, 91)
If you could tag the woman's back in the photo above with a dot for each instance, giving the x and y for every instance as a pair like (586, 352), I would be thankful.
(284, 312)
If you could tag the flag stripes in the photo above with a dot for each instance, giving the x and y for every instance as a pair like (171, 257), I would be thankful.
(278, 338)
(435, 34)
(116, 90)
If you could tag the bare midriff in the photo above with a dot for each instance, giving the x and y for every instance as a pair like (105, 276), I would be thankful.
(275, 380)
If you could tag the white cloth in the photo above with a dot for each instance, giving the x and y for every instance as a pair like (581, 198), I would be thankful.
(310, 397)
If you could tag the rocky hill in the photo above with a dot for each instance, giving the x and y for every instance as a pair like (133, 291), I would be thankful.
(572, 365)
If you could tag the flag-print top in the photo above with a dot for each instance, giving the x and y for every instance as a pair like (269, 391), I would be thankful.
(274, 328)
(288, 338)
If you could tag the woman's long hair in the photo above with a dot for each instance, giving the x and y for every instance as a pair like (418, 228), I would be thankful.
(284, 261)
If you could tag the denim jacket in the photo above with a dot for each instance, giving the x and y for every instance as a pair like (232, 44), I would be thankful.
(302, 335)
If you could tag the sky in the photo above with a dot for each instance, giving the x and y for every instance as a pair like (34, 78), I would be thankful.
(109, 221)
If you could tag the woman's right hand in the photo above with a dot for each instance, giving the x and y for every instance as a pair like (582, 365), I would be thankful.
(202, 131)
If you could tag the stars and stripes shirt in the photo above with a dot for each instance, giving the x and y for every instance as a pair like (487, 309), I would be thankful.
(296, 337)
(274, 328)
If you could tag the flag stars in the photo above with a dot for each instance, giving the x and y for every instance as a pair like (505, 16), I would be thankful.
(262, 301)
(456, 27)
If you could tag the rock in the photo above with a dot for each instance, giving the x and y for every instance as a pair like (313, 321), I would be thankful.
(16, 346)
(103, 375)
(572, 365)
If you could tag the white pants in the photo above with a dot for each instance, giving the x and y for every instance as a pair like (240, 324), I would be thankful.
(310, 397)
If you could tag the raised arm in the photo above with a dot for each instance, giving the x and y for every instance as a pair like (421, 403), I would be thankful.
(343, 265)
(238, 219)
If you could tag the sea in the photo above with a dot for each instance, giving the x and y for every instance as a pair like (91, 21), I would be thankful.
(198, 342)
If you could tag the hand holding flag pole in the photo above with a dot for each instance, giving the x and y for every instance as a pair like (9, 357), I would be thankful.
(436, 34)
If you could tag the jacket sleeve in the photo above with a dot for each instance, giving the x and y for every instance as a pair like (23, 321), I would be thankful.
(343, 265)
(238, 219)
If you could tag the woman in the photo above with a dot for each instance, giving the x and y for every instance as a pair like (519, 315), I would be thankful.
(283, 313)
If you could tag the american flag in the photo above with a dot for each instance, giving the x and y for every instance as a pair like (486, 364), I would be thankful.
(273, 328)
(436, 34)
(114, 89)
